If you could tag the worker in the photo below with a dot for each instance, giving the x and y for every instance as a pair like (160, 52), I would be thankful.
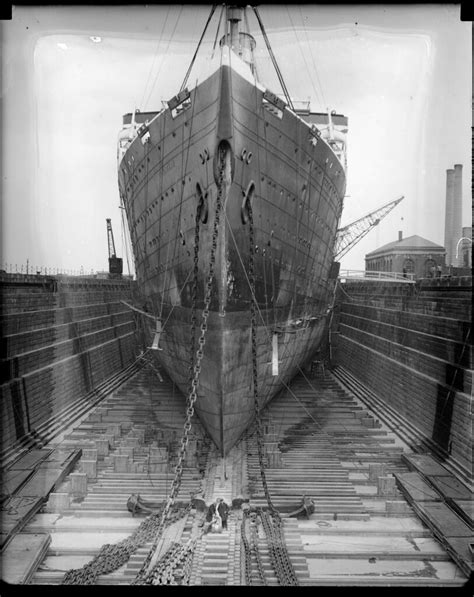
(216, 516)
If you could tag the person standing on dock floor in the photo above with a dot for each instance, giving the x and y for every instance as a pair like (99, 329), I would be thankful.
(218, 509)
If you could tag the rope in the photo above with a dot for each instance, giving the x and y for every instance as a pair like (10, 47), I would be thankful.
(270, 51)
(183, 85)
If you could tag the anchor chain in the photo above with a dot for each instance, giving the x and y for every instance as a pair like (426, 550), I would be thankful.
(253, 319)
(150, 571)
(113, 556)
(279, 557)
(272, 523)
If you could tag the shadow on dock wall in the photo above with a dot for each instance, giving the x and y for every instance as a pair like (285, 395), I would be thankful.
(60, 341)
(413, 353)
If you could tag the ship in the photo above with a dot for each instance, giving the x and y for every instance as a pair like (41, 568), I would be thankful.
(233, 194)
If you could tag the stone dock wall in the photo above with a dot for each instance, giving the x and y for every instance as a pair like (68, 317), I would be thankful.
(61, 338)
(411, 346)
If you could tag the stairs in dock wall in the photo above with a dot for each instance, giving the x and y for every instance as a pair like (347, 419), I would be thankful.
(60, 345)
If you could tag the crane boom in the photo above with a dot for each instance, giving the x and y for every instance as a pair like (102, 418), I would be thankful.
(351, 234)
(110, 238)
(115, 263)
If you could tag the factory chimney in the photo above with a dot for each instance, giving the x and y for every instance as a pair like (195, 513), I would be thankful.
(448, 220)
(457, 211)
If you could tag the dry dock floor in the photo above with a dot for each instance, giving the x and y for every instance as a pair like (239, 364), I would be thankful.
(321, 442)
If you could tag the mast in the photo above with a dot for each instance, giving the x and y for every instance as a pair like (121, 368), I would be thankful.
(234, 16)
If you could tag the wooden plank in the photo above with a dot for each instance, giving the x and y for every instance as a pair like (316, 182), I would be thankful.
(45, 479)
(465, 509)
(16, 512)
(22, 556)
(441, 518)
(415, 488)
(458, 549)
(425, 464)
(62, 455)
(450, 487)
(41, 483)
(12, 480)
(31, 459)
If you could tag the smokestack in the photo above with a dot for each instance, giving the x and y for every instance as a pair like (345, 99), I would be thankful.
(448, 221)
(400, 235)
(457, 211)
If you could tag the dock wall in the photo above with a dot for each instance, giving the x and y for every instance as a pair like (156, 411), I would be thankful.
(61, 338)
(411, 346)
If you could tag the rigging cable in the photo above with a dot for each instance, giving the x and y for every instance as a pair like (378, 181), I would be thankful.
(183, 85)
(313, 61)
(165, 52)
(217, 32)
(154, 57)
(272, 56)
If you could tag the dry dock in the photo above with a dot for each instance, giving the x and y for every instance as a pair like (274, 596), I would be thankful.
(391, 505)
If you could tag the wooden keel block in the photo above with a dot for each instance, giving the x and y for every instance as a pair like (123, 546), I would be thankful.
(114, 430)
(89, 454)
(58, 502)
(111, 439)
(158, 454)
(94, 418)
(158, 467)
(376, 470)
(121, 463)
(102, 446)
(386, 486)
(127, 450)
(397, 508)
(90, 468)
(78, 484)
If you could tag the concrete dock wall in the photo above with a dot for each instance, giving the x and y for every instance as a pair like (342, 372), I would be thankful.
(61, 338)
(411, 346)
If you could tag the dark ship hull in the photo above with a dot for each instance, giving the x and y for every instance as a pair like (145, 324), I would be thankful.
(232, 139)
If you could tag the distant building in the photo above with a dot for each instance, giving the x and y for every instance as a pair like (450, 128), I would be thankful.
(465, 248)
(413, 255)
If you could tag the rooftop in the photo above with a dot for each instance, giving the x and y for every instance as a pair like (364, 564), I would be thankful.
(415, 242)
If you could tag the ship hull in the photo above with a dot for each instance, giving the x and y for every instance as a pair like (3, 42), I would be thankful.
(295, 185)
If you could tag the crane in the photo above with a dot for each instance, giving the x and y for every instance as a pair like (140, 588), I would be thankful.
(115, 263)
(351, 234)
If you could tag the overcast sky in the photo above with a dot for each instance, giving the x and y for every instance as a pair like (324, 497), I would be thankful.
(401, 73)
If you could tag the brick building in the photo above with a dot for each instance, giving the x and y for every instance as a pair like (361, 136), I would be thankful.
(414, 254)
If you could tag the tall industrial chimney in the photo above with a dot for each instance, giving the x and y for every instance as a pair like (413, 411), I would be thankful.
(448, 221)
(457, 211)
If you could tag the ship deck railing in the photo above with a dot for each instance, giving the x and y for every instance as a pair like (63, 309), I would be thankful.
(368, 276)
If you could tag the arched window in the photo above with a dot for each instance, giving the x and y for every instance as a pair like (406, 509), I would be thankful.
(430, 268)
(409, 266)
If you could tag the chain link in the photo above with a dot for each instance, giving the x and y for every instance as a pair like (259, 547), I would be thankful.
(175, 565)
(112, 557)
(272, 522)
(147, 570)
(253, 316)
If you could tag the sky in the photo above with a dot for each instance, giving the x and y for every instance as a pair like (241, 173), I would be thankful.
(402, 74)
